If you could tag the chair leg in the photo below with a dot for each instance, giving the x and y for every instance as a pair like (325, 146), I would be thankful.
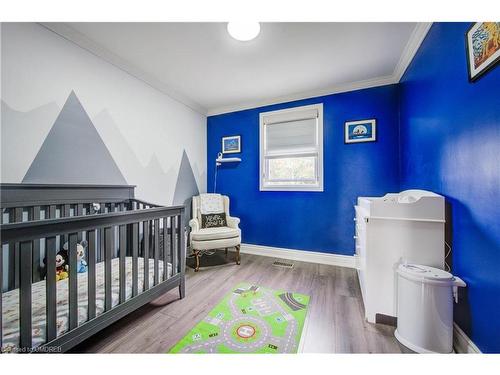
(238, 254)
(197, 259)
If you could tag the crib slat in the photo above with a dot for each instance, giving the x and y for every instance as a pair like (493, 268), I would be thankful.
(15, 216)
(182, 256)
(100, 255)
(79, 212)
(36, 213)
(173, 244)
(73, 281)
(157, 251)
(178, 242)
(18, 214)
(36, 247)
(50, 287)
(91, 261)
(181, 250)
(26, 249)
(135, 273)
(165, 248)
(52, 212)
(146, 254)
(122, 244)
(64, 213)
(108, 253)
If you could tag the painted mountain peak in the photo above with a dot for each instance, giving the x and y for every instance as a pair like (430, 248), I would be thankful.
(73, 152)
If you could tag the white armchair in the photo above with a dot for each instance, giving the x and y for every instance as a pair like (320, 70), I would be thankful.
(202, 239)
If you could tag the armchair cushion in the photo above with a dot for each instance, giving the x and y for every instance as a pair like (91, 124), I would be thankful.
(209, 234)
(213, 220)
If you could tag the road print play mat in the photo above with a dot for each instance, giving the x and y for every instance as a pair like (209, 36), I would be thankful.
(249, 319)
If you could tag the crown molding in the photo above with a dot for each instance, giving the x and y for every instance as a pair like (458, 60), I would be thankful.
(69, 33)
(416, 39)
(418, 35)
(345, 87)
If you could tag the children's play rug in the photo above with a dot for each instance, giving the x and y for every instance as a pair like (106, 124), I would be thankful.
(250, 319)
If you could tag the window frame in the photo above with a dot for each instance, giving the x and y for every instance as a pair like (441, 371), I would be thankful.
(318, 186)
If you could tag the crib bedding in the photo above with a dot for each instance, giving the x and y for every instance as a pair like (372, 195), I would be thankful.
(10, 300)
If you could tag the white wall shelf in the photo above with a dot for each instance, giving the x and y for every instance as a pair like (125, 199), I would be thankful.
(227, 160)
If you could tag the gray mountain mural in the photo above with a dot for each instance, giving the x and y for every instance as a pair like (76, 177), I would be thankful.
(73, 148)
(73, 152)
(160, 187)
(22, 134)
(153, 182)
(156, 183)
(186, 186)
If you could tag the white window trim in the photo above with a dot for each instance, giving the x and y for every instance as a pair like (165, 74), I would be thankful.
(313, 188)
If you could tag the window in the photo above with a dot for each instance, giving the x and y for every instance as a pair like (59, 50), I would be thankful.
(291, 149)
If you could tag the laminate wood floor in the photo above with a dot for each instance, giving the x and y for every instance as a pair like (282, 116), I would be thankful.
(335, 322)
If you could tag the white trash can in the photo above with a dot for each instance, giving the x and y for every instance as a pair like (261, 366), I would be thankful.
(425, 308)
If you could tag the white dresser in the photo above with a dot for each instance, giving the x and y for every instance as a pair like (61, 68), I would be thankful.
(393, 229)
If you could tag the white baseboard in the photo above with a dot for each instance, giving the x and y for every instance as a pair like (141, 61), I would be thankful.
(300, 255)
(462, 343)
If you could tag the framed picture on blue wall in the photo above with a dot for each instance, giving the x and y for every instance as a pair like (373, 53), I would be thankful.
(360, 131)
(231, 145)
(483, 48)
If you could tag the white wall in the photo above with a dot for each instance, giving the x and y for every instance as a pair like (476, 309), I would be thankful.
(145, 131)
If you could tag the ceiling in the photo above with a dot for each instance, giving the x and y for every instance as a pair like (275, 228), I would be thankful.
(200, 65)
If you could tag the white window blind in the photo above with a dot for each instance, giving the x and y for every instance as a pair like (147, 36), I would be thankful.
(291, 136)
(291, 149)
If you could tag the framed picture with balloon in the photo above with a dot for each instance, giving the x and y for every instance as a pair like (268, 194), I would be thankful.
(360, 131)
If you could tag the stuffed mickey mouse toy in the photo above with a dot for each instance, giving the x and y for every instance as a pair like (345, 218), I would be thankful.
(61, 265)
(62, 261)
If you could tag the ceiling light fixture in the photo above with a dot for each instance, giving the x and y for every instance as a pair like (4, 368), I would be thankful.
(243, 31)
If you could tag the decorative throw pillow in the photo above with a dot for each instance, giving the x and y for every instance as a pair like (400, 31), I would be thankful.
(213, 220)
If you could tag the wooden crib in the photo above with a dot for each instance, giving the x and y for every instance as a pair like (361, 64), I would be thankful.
(135, 253)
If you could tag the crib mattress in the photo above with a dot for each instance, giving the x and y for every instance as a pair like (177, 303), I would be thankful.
(10, 301)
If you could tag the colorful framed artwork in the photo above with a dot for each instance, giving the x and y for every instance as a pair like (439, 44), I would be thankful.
(231, 145)
(360, 131)
(483, 48)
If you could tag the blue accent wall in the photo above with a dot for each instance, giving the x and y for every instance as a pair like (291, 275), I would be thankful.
(450, 144)
(314, 221)
(436, 131)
